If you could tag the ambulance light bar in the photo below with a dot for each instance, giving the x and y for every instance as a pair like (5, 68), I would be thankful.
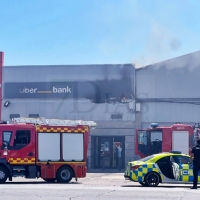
(176, 152)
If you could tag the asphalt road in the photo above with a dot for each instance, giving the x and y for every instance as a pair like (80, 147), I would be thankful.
(95, 186)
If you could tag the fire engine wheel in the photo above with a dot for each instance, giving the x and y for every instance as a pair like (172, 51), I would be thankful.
(3, 174)
(152, 179)
(64, 175)
(49, 180)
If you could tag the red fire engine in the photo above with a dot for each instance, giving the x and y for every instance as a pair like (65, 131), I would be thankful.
(156, 139)
(52, 149)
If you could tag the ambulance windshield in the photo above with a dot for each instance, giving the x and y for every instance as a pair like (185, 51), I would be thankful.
(146, 158)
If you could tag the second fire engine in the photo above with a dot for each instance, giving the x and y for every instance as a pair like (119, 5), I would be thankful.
(157, 139)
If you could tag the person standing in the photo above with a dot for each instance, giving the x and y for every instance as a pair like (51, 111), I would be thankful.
(196, 163)
(119, 157)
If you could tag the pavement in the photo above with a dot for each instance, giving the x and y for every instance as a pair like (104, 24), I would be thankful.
(98, 186)
(105, 171)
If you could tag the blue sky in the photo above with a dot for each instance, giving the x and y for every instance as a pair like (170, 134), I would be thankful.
(45, 32)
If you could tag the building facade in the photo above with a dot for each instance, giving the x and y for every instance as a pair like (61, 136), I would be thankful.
(102, 93)
(119, 98)
(168, 92)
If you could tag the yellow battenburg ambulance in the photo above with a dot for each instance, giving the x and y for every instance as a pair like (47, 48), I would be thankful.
(170, 167)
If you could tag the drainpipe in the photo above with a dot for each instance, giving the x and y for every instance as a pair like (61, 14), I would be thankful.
(1, 70)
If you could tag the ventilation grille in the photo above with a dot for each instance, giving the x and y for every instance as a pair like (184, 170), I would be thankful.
(116, 116)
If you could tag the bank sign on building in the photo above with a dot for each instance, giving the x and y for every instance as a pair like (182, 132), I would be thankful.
(92, 92)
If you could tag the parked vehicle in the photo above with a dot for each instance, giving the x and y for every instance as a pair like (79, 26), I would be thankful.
(52, 149)
(170, 167)
(157, 139)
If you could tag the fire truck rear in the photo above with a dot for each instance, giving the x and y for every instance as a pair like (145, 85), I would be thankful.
(157, 139)
(52, 149)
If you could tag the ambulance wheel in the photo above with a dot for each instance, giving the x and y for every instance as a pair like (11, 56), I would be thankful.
(49, 180)
(152, 179)
(143, 184)
(64, 174)
(3, 174)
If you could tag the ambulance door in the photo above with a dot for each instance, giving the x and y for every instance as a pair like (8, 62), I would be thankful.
(180, 141)
(182, 169)
(176, 171)
(18, 145)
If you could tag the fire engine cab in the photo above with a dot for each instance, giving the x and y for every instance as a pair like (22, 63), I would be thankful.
(157, 139)
(52, 149)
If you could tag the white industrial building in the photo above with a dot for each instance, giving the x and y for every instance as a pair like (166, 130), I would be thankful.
(169, 91)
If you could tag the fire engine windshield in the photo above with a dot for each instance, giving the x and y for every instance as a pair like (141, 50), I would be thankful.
(142, 142)
(149, 142)
(155, 141)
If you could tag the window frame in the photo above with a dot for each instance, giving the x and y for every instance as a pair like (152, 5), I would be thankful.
(175, 158)
(18, 146)
(11, 133)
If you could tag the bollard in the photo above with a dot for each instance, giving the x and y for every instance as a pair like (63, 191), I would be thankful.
(102, 163)
(87, 163)
(119, 164)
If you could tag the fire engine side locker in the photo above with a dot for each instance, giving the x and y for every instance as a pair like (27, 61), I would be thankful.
(74, 153)
(56, 147)
(180, 141)
(48, 151)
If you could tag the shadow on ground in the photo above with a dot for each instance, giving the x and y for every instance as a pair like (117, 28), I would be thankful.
(39, 183)
(159, 186)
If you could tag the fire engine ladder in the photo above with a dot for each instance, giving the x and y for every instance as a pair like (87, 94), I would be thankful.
(56, 122)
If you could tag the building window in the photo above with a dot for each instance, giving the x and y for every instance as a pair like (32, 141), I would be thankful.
(34, 115)
(116, 116)
(14, 116)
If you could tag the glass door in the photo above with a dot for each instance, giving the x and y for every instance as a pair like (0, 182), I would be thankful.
(109, 152)
(105, 152)
(118, 152)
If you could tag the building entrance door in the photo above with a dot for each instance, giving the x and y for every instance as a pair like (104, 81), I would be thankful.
(109, 152)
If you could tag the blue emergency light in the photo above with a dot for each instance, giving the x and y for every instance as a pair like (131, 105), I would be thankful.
(154, 125)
